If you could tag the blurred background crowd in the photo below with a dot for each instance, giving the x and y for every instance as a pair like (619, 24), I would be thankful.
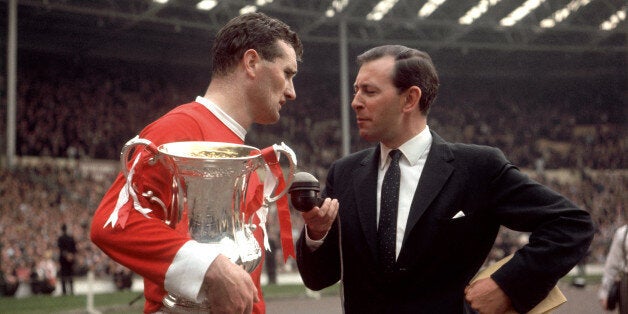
(568, 135)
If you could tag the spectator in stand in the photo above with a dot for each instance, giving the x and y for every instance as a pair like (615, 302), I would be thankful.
(8, 282)
(44, 275)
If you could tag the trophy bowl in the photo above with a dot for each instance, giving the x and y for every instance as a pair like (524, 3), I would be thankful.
(209, 191)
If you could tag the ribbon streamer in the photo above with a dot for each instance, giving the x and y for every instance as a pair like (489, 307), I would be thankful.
(283, 212)
(120, 213)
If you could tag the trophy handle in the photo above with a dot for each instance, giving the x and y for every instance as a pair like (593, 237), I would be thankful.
(292, 158)
(128, 148)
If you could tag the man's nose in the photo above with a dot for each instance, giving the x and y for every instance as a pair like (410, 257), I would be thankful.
(356, 104)
(291, 93)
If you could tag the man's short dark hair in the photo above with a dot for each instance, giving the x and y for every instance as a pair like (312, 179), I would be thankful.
(412, 68)
(251, 31)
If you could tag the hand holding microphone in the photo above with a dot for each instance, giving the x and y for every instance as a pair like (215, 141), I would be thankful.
(304, 192)
(318, 213)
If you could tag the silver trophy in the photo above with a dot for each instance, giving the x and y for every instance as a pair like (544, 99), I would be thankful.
(209, 187)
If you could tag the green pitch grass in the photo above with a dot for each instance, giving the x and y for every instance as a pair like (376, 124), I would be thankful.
(118, 302)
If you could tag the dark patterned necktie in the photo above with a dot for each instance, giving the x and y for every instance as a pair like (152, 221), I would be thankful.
(386, 230)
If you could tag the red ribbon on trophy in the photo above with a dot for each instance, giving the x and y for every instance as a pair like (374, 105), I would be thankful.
(283, 212)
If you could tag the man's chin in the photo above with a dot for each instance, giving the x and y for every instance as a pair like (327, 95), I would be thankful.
(269, 120)
(367, 137)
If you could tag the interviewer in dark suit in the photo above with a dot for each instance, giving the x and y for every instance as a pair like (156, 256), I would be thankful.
(453, 199)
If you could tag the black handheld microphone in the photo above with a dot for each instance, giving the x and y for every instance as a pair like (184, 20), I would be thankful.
(304, 192)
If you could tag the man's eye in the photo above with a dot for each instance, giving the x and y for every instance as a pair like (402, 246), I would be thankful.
(363, 92)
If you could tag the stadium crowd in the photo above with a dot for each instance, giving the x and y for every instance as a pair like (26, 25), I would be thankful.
(68, 110)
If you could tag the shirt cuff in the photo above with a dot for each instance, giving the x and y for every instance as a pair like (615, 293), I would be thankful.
(313, 245)
(186, 273)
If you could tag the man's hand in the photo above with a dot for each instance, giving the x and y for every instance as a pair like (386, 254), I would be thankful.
(486, 297)
(319, 219)
(229, 288)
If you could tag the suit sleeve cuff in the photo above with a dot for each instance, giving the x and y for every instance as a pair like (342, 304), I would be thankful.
(187, 271)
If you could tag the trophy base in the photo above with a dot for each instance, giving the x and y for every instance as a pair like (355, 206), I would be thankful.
(178, 305)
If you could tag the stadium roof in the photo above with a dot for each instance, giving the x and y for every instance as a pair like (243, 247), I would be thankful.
(176, 30)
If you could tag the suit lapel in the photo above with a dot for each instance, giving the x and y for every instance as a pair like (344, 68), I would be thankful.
(365, 189)
(436, 171)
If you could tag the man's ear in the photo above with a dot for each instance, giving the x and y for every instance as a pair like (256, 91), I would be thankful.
(412, 98)
(250, 60)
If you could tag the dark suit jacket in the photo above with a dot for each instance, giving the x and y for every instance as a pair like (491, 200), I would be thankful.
(439, 254)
